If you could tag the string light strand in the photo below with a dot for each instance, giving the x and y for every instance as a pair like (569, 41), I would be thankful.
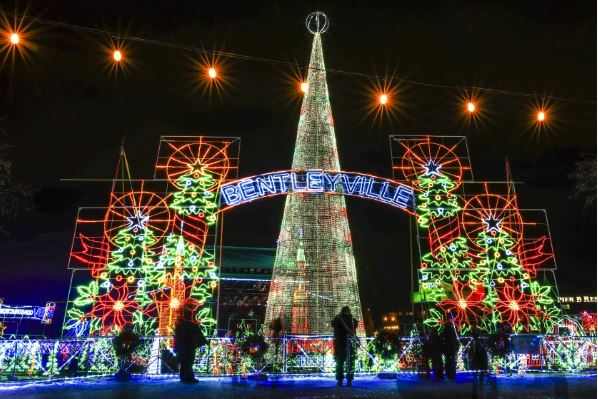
(189, 48)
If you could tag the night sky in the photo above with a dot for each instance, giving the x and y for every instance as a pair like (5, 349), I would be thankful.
(66, 115)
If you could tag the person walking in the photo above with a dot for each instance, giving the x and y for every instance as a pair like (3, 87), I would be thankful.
(450, 347)
(344, 326)
(435, 353)
(187, 339)
(276, 331)
(478, 362)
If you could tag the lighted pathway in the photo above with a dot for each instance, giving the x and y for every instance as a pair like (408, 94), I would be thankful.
(529, 386)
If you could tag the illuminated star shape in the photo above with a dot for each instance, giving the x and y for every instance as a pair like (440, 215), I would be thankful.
(492, 223)
(137, 221)
(196, 167)
(432, 168)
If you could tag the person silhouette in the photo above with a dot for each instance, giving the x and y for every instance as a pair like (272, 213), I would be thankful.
(187, 338)
(124, 345)
(425, 356)
(344, 326)
(478, 361)
(276, 331)
(435, 353)
(450, 347)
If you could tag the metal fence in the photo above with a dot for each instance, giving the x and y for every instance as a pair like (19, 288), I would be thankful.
(77, 357)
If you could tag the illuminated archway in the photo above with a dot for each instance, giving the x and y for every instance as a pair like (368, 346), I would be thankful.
(317, 182)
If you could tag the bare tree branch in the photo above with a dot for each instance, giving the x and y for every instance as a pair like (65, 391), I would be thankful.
(14, 197)
(584, 179)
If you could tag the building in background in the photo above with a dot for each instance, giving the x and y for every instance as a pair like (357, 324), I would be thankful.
(390, 321)
(244, 285)
(402, 321)
(578, 303)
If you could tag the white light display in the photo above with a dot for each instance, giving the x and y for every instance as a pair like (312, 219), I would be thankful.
(316, 225)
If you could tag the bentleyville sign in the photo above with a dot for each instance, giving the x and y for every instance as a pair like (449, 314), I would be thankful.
(317, 182)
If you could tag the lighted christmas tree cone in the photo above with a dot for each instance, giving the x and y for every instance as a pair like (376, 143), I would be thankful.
(314, 273)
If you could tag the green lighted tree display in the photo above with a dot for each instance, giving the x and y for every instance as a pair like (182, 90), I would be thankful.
(449, 281)
(132, 254)
(473, 273)
(435, 198)
(514, 298)
(156, 263)
(188, 279)
(105, 303)
(52, 362)
(196, 195)
(512, 291)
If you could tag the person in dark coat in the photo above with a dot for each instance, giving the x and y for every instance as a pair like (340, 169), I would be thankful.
(500, 343)
(187, 339)
(478, 362)
(344, 326)
(425, 356)
(125, 344)
(276, 328)
(478, 355)
(435, 353)
(276, 331)
(450, 347)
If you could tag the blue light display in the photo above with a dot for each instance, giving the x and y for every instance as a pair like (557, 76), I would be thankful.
(317, 182)
(41, 313)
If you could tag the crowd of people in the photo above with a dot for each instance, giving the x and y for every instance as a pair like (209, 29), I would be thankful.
(440, 350)
(438, 357)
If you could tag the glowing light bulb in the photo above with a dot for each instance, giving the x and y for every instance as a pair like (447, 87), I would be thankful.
(118, 56)
(471, 107)
(212, 73)
(174, 303)
(118, 306)
(15, 38)
(383, 99)
(304, 87)
(541, 116)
